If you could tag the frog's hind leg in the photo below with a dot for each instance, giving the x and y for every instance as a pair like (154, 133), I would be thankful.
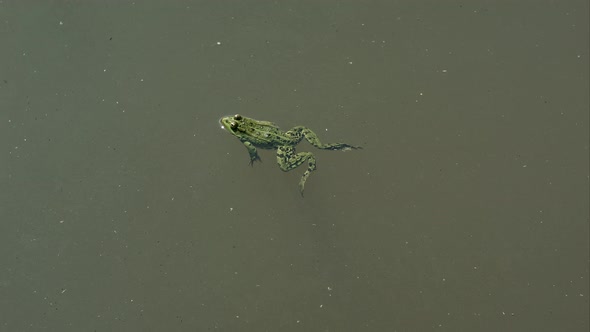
(288, 160)
(314, 140)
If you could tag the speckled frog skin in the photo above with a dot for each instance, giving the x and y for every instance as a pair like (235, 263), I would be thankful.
(266, 135)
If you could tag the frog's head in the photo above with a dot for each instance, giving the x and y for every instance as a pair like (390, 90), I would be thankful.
(231, 123)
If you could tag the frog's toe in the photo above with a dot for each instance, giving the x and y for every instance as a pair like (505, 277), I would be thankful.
(253, 159)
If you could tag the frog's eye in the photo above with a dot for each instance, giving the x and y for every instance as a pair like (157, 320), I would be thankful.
(233, 125)
(238, 117)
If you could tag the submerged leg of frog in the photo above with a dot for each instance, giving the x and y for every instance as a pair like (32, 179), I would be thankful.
(288, 159)
(300, 132)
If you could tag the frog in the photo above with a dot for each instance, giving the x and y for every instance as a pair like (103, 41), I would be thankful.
(267, 135)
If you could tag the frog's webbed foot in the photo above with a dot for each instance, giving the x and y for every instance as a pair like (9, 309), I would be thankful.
(347, 147)
(252, 152)
(253, 159)
(302, 184)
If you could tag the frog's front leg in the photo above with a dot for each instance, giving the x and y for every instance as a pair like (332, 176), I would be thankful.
(252, 152)
(288, 159)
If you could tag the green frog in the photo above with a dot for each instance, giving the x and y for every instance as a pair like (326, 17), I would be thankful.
(266, 135)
